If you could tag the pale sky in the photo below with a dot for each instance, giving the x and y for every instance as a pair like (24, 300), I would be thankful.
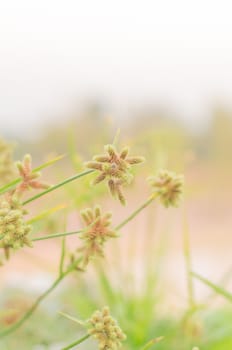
(128, 53)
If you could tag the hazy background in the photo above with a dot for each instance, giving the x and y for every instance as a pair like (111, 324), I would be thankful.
(55, 56)
(71, 74)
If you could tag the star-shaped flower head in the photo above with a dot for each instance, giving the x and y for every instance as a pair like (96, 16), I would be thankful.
(104, 328)
(97, 232)
(29, 178)
(168, 187)
(115, 167)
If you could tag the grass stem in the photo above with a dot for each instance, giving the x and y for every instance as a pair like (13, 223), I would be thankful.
(136, 212)
(79, 341)
(60, 184)
(55, 235)
(27, 315)
(188, 261)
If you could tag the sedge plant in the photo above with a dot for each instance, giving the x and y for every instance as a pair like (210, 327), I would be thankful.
(114, 168)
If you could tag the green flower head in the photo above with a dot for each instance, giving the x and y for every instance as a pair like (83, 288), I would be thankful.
(168, 187)
(104, 328)
(13, 228)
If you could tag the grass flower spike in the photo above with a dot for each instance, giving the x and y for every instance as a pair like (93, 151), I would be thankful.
(29, 178)
(106, 330)
(168, 187)
(13, 228)
(97, 232)
(115, 168)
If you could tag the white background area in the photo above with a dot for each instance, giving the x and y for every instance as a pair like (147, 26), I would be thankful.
(54, 54)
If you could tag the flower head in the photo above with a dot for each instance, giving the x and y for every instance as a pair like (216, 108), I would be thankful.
(114, 167)
(7, 168)
(29, 178)
(13, 228)
(97, 232)
(105, 330)
(168, 187)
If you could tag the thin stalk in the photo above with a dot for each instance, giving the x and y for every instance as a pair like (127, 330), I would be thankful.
(79, 341)
(26, 316)
(46, 213)
(217, 289)
(62, 256)
(60, 184)
(136, 212)
(55, 235)
(13, 183)
(152, 342)
(188, 261)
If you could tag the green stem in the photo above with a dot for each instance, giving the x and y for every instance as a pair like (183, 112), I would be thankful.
(60, 184)
(55, 235)
(70, 346)
(188, 261)
(25, 317)
(136, 212)
(219, 290)
(62, 256)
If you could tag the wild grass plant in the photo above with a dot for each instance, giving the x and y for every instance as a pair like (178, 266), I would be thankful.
(135, 329)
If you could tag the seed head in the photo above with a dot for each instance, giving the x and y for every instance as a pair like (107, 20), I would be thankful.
(168, 187)
(97, 232)
(29, 178)
(13, 228)
(115, 168)
(7, 169)
(105, 330)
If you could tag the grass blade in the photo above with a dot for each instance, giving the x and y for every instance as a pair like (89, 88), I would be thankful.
(152, 342)
(46, 213)
(219, 290)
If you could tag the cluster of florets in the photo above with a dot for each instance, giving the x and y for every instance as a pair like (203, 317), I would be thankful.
(7, 168)
(96, 233)
(14, 230)
(115, 167)
(28, 177)
(105, 330)
(168, 187)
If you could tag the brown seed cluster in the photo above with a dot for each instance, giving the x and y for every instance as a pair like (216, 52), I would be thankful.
(97, 232)
(29, 178)
(115, 167)
(105, 330)
(13, 228)
(168, 187)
